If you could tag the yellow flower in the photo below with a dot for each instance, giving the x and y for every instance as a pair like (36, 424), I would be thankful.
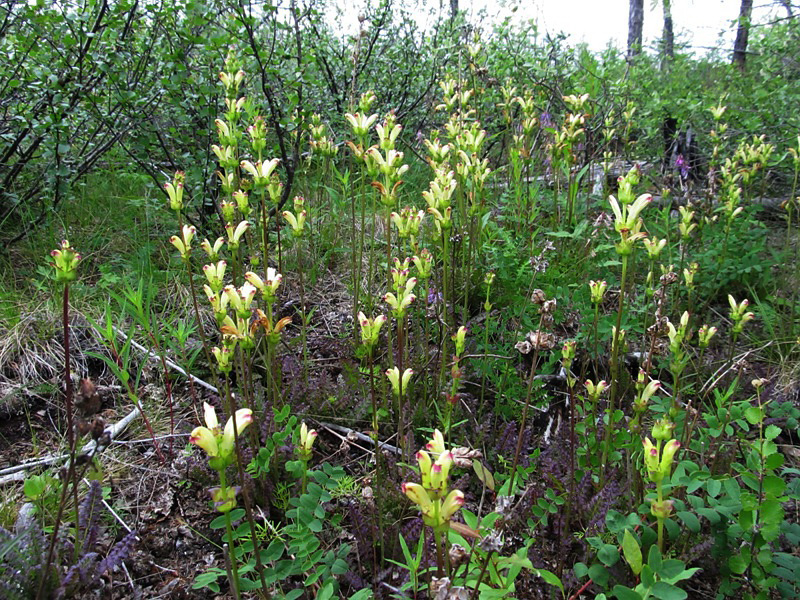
(307, 437)
(219, 445)
(399, 384)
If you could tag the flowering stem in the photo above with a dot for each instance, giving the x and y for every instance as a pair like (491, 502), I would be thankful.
(354, 252)
(518, 449)
(303, 330)
(264, 233)
(614, 369)
(376, 438)
(401, 325)
(439, 553)
(571, 496)
(476, 589)
(445, 300)
(280, 252)
(71, 442)
(485, 350)
(245, 495)
(424, 352)
(595, 354)
(201, 330)
(230, 558)
(660, 519)
(363, 197)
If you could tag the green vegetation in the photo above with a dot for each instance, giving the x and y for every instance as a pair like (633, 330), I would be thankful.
(485, 316)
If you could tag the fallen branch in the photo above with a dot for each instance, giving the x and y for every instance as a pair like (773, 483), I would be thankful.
(361, 436)
(10, 473)
(154, 357)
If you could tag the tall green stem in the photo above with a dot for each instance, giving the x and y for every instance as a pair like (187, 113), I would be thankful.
(615, 344)
(518, 449)
(65, 485)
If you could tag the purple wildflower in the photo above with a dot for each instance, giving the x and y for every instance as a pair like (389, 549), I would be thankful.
(683, 165)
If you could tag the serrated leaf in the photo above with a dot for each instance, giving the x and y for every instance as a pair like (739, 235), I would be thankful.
(753, 414)
(774, 485)
(738, 564)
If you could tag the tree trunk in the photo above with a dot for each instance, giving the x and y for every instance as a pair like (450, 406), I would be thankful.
(668, 35)
(742, 32)
(453, 9)
(788, 6)
(635, 26)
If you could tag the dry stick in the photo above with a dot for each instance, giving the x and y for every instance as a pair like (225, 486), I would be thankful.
(87, 449)
(169, 363)
(361, 436)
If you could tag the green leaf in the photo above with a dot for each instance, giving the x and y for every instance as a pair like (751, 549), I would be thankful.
(648, 579)
(710, 514)
(315, 525)
(339, 567)
(666, 591)
(713, 486)
(632, 552)
(754, 415)
(248, 584)
(34, 487)
(738, 564)
(624, 593)
(273, 552)
(654, 558)
(690, 520)
(771, 511)
(774, 485)
(484, 474)
(670, 568)
(774, 461)
(326, 593)
(732, 489)
(608, 555)
(598, 574)
(771, 432)
(581, 570)
(550, 578)
(208, 579)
